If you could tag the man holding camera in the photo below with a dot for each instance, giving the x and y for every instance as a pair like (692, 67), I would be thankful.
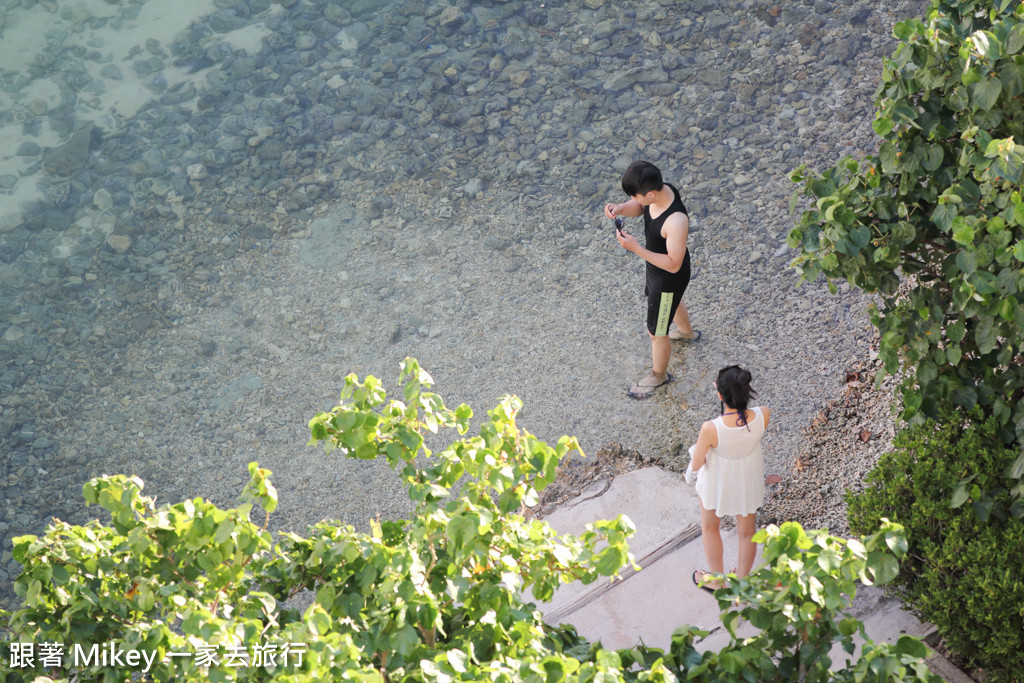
(666, 227)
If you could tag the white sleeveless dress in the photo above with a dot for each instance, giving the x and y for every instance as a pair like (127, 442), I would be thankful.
(731, 482)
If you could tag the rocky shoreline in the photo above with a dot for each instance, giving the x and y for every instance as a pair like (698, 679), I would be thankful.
(842, 444)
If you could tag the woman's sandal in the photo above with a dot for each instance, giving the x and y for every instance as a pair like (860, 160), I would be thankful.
(700, 583)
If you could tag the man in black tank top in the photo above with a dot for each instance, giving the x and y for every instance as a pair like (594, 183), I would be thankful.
(666, 227)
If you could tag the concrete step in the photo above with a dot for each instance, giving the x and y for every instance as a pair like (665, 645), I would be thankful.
(650, 604)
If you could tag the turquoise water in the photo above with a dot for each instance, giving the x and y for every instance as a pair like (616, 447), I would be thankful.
(213, 210)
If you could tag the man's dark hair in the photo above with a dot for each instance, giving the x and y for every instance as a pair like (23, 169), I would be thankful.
(640, 178)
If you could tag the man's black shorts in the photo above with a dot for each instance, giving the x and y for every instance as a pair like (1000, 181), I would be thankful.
(661, 305)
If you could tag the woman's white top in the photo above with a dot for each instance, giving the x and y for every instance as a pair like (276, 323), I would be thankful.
(731, 482)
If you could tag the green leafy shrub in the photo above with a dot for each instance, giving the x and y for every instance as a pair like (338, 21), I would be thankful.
(442, 596)
(964, 571)
(941, 203)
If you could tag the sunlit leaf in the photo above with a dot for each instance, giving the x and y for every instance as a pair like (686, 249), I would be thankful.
(987, 45)
(882, 125)
(882, 567)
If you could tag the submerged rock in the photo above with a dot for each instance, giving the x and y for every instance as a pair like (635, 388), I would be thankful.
(72, 155)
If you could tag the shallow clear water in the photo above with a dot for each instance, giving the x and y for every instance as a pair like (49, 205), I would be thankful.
(212, 211)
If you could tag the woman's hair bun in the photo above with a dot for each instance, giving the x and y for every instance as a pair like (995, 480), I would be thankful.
(734, 386)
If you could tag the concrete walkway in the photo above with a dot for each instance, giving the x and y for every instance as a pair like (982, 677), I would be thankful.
(649, 605)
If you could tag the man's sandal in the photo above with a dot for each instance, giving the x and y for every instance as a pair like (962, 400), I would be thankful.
(644, 389)
(675, 335)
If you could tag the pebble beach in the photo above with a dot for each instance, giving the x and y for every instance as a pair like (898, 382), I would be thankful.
(213, 211)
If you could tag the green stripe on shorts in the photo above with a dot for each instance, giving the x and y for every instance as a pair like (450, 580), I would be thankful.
(664, 315)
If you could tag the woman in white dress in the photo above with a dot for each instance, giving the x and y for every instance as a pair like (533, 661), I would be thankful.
(727, 465)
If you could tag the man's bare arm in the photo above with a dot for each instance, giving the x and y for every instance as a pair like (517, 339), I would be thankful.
(630, 209)
(675, 231)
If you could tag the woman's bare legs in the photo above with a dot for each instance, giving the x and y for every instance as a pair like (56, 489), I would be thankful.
(711, 537)
(745, 528)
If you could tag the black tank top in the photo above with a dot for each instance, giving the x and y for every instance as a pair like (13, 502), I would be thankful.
(658, 279)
